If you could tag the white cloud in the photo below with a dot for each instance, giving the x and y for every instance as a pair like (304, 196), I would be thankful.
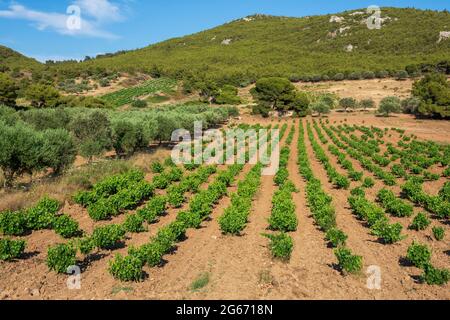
(100, 10)
(99, 13)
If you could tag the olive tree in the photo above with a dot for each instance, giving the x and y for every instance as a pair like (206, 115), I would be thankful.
(367, 104)
(92, 132)
(59, 150)
(389, 105)
(167, 124)
(127, 137)
(348, 103)
(320, 107)
(21, 148)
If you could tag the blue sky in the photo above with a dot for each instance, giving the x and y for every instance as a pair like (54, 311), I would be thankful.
(38, 28)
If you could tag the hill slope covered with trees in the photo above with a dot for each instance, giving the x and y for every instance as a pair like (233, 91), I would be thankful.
(259, 45)
(11, 60)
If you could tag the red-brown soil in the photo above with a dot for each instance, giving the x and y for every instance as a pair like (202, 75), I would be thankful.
(241, 267)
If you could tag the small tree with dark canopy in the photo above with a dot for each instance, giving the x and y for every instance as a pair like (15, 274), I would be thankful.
(42, 96)
(274, 93)
(410, 105)
(228, 95)
(301, 104)
(208, 91)
(8, 91)
(434, 93)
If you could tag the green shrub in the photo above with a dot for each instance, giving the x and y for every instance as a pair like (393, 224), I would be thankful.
(84, 198)
(233, 221)
(281, 176)
(169, 235)
(358, 192)
(175, 174)
(101, 210)
(398, 170)
(433, 276)
(156, 207)
(281, 246)
(161, 182)
(85, 245)
(11, 249)
(347, 261)
(150, 254)
(283, 217)
(419, 255)
(388, 233)
(191, 166)
(127, 268)
(66, 227)
(428, 176)
(178, 230)
(439, 233)
(444, 193)
(139, 103)
(169, 162)
(355, 175)
(446, 172)
(42, 215)
(390, 105)
(190, 219)
(336, 237)
(420, 222)
(341, 182)
(393, 205)
(12, 223)
(175, 196)
(157, 167)
(108, 236)
(134, 223)
(368, 183)
(61, 257)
